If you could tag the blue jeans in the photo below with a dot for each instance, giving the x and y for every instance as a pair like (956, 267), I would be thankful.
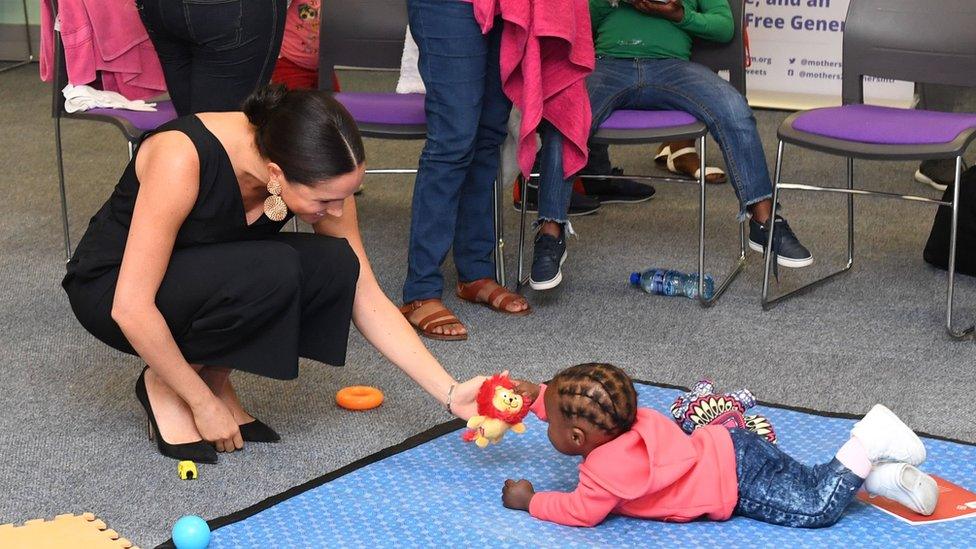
(467, 113)
(672, 84)
(775, 488)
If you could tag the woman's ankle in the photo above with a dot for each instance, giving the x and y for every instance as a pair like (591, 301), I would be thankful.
(172, 414)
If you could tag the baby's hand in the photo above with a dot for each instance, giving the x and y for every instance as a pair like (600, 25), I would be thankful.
(526, 389)
(517, 494)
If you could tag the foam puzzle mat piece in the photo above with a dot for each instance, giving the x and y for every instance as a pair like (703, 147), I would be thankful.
(63, 532)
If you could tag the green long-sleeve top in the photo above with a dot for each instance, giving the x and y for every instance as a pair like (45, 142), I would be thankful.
(623, 31)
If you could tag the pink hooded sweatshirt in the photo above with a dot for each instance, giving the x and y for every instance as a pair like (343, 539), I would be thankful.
(653, 471)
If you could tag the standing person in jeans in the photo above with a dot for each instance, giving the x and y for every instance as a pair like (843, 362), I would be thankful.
(467, 113)
(214, 54)
(643, 51)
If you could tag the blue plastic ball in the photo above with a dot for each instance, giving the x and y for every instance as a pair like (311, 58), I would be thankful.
(191, 532)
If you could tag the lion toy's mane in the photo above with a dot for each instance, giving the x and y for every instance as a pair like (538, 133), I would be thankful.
(487, 393)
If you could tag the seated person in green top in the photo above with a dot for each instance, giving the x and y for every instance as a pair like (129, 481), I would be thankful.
(643, 51)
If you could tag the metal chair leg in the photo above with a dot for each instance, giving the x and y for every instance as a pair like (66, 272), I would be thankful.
(499, 228)
(64, 198)
(522, 278)
(967, 332)
(740, 262)
(30, 48)
(769, 303)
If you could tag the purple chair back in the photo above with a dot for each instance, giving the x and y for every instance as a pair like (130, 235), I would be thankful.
(931, 41)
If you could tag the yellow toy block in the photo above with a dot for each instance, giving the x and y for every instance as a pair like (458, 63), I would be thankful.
(187, 470)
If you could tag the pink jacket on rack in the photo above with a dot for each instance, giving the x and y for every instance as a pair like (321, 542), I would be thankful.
(102, 38)
(546, 54)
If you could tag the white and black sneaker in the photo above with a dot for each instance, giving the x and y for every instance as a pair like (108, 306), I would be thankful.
(617, 191)
(789, 252)
(547, 259)
(937, 173)
(579, 204)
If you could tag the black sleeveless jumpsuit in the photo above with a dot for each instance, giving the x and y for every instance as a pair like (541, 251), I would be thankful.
(235, 295)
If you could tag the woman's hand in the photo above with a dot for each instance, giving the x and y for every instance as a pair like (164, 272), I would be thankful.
(216, 424)
(673, 10)
(517, 494)
(464, 400)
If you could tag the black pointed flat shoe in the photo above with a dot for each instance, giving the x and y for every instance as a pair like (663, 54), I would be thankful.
(257, 431)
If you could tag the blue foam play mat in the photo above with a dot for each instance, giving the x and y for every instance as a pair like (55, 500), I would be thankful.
(436, 491)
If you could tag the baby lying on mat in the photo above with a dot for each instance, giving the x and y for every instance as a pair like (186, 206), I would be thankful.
(639, 463)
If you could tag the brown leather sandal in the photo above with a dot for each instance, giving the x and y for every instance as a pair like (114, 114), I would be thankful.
(471, 291)
(439, 316)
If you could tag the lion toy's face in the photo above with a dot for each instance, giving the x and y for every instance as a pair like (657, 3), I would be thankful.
(506, 400)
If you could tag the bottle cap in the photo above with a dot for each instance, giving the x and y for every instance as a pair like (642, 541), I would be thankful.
(635, 278)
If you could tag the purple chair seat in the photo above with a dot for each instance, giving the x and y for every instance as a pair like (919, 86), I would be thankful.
(646, 120)
(142, 121)
(885, 125)
(402, 109)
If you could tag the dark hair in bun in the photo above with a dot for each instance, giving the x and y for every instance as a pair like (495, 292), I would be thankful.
(310, 135)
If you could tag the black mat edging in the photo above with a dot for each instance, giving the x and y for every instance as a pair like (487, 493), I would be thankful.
(412, 442)
(449, 427)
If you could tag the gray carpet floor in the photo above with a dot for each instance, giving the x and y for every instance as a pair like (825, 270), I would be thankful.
(72, 436)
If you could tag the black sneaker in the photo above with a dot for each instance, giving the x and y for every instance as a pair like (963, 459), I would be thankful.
(618, 191)
(547, 258)
(579, 204)
(937, 173)
(789, 252)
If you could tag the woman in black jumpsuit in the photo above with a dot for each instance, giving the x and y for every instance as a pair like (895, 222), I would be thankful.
(184, 266)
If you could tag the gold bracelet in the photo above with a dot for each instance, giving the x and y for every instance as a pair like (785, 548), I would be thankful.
(450, 395)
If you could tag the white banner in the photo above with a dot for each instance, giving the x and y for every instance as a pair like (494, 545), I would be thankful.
(796, 56)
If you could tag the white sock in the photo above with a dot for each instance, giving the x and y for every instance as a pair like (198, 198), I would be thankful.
(855, 457)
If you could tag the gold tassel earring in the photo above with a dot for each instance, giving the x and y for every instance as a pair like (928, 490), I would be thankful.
(274, 205)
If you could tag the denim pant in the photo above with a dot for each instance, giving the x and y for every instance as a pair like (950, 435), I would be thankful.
(214, 53)
(669, 84)
(775, 488)
(467, 114)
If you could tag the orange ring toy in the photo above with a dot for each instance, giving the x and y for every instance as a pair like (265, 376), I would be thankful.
(359, 397)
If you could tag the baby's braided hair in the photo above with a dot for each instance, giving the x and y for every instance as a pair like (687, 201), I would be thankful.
(599, 393)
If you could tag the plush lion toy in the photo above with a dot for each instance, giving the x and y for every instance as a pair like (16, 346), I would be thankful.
(500, 408)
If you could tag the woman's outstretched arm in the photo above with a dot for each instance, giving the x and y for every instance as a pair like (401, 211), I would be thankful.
(382, 324)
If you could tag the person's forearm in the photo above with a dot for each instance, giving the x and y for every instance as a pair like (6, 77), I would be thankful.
(713, 23)
(150, 336)
(382, 324)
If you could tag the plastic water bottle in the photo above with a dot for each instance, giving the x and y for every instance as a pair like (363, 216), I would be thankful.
(671, 283)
